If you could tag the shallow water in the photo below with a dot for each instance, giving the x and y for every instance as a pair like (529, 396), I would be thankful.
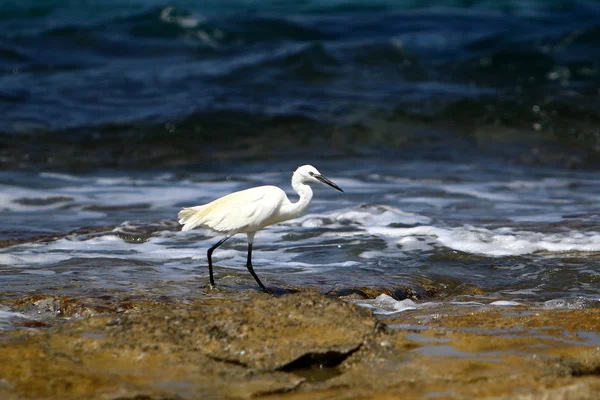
(526, 235)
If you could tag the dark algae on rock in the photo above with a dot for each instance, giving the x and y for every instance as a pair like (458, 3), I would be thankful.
(304, 346)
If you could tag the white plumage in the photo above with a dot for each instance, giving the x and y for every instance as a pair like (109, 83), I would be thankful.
(251, 210)
(242, 212)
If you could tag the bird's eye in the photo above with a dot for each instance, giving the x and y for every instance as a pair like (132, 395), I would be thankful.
(311, 173)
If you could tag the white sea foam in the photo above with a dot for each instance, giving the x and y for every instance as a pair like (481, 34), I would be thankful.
(572, 303)
(7, 316)
(498, 242)
(161, 249)
(547, 217)
(112, 191)
(26, 257)
(546, 183)
(505, 303)
(380, 216)
(430, 201)
(384, 304)
(380, 226)
(170, 15)
(366, 216)
(11, 198)
(478, 191)
(63, 177)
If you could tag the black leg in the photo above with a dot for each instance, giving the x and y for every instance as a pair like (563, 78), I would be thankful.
(249, 266)
(209, 254)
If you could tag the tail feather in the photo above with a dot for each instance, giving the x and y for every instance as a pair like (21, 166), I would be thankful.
(191, 217)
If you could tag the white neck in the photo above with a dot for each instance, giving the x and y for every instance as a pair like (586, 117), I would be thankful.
(305, 192)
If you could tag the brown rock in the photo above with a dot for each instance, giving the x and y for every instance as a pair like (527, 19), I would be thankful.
(220, 350)
(265, 334)
(302, 346)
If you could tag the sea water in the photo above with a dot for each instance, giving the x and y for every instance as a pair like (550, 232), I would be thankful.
(518, 234)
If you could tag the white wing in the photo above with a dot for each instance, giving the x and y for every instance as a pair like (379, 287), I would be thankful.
(244, 211)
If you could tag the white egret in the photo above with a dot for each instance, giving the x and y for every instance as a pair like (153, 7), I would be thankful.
(251, 210)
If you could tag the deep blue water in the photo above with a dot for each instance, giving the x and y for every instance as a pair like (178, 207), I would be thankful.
(150, 82)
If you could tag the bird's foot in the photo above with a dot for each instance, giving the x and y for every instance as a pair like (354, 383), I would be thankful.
(268, 291)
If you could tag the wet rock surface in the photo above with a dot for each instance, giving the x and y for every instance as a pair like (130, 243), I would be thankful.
(264, 334)
(302, 345)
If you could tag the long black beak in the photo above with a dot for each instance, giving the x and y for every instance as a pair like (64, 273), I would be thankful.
(328, 182)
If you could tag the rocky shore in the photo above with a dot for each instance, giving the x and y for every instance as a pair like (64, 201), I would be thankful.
(304, 345)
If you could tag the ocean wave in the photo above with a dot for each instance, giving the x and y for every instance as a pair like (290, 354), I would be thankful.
(499, 242)
(149, 71)
(399, 223)
(184, 25)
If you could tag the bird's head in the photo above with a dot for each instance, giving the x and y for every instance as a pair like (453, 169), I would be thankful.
(309, 174)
